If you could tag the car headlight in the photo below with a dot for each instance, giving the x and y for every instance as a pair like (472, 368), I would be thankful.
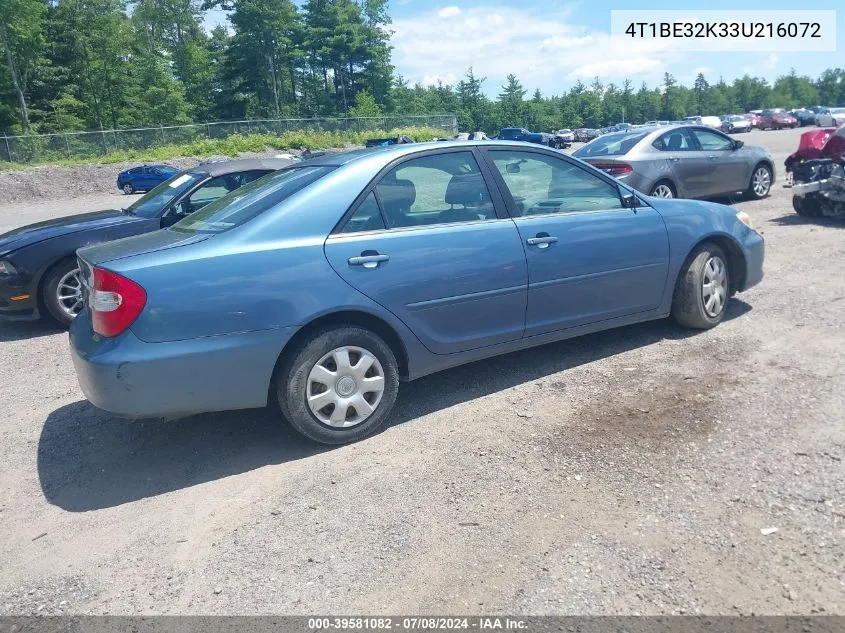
(6, 268)
(743, 217)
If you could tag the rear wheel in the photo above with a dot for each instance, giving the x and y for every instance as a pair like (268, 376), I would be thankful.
(761, 182)
(805, 207)
(702, 289)
(339, 385)
(62, 291)
(663, 189)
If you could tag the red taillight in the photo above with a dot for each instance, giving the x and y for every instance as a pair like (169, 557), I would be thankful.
(115, 302)
(614, 169)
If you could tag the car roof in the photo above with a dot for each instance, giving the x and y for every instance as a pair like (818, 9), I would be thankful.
(389, 152)
(224, 167)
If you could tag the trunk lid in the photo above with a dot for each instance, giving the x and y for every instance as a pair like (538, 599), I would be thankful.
(137, 245)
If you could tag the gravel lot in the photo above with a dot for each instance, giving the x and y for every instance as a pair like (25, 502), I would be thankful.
(629, 472)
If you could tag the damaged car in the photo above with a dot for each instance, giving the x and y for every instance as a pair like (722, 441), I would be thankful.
(818, 174)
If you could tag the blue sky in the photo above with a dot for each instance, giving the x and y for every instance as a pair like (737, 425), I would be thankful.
(550, 44)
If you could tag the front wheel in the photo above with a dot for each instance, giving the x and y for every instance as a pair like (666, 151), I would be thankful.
(62, 291)
(761, 182)
(339, 385)
(128, 189)
(806, 207)
(703, 288)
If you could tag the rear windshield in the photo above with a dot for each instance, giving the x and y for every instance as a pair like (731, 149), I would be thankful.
(245, 203)
(611, 144)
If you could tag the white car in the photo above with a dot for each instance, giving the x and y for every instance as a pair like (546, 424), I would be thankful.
(735, 123)
(566, 134)
(832, 117)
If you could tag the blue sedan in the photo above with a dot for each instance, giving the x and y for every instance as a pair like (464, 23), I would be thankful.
(324, 285)
(144, 178)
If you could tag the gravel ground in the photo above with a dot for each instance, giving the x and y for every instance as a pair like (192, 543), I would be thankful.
(629, 472)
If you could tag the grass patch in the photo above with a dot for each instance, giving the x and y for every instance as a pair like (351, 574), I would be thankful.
(230, 146)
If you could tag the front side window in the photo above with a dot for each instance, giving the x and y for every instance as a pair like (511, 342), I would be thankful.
(674, 141)
(153, 203)
(711, 141)
(437, 189)
(213, 189)
(541, 184)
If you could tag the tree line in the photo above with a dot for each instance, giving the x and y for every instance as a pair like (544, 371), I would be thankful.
(99, 64)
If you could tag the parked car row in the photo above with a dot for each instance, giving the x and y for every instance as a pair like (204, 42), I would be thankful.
(314, 285)
(42, 274)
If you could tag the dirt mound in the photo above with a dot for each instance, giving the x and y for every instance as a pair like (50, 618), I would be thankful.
(54, 183)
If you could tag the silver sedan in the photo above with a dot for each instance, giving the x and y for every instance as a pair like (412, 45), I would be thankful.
(682, 161)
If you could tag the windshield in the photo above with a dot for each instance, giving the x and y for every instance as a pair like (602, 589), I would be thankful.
(250, 200)
(611, 144)
(153, 203)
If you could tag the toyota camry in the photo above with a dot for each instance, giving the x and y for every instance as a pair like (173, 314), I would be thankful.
(324, 285)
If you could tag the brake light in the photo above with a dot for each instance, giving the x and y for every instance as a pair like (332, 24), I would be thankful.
(115, 302)
(614, 169)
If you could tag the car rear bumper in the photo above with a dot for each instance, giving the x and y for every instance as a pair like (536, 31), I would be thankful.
(130, 377)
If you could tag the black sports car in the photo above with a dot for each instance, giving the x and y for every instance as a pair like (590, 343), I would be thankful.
(38, 268)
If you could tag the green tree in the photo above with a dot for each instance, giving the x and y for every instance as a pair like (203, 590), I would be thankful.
(22, 44)
(511, 102)
(365, 106)
(700, 87)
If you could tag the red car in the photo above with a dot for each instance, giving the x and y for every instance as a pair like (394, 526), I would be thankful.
(754, 118)
(777, 120)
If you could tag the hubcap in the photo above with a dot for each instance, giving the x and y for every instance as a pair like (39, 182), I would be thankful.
(762, 181)
(714, 289)
(127, 188)
(662, 191)
(345, 387)
(69, 293)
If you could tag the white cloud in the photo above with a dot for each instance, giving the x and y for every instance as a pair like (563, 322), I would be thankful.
(449, 12)
(771, 62)
(616, 68)
(543, 50)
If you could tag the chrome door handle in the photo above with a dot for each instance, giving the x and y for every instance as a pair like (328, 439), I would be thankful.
(541, 241)
(368, 261)
(713, 157)
(674, 159)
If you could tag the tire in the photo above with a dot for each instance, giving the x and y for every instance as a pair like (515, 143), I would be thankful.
(59, 279)
(663, 187)
(689, 306)
(128, 189)
(805, 207)
(295, 381)
(760, 183)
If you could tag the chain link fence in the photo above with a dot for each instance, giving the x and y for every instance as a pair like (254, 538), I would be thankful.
(33, 148)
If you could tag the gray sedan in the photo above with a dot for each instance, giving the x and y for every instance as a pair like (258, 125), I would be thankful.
(682, 161)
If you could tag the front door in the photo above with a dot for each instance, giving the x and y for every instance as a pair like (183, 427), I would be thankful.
(426, 243)
(589, 259)
(729, 168)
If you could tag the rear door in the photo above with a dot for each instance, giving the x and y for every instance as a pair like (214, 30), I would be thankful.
(730, 171)
(428, 242)
(589, 259)
(688, 167)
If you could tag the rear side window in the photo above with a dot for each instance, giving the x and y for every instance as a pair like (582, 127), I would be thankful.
(674, 141)
(367, 217)
(245, 203)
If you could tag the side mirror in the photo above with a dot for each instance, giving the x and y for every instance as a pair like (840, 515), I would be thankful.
(738, 144)
(512, 168)
(629, 200)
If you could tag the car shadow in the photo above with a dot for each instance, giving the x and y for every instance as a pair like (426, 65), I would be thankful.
(793, 219)
(22, 330)
(90, 460)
